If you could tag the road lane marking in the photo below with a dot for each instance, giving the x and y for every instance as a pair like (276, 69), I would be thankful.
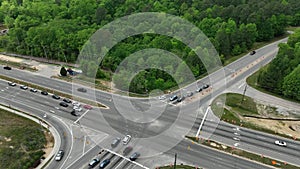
(81, 116)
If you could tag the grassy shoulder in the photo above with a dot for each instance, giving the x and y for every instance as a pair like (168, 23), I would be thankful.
(21, 141)
(93, 103)
(18, 65)
(245, 154)
(254, 115)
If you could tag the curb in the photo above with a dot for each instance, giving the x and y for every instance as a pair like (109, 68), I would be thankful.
(38, 120)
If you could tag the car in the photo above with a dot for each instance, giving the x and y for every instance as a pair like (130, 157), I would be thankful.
(59, 155)
(252, 52)
(23, 87)
(199, 89)
(236, 138)
(174, 97)
(126, 139)
(280, 143)
(44, 93)
(94, 162)
(77, 108)
(134, 156)
(189, 94)
(180, 99)
(73, 112)
(7, 68)
(205, 86)
(89, 107)
(75, 103)
(33, 90)
(115, 142)
(104, 163)
(63, 104)
(67, 100)
(81, 89)
(57, 108)
(12, 84)
(127, 150)
(52, 111)
(55, 97)
(163, 97)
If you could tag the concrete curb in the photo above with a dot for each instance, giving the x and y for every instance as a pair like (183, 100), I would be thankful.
(54, 132)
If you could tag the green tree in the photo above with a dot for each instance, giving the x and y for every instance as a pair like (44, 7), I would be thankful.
(63, 71)
(291, 84)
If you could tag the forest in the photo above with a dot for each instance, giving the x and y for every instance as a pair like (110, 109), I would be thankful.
(57, 29)
(282, 75)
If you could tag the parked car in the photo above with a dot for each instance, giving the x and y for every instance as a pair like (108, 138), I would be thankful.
(205, 86)
(127, 150)
(63, 104)
(94, 162)
(163, 97)
(55, 97)
(44, 93)
(81, 89)
(75, 103)
(252, 52)
(174, 97)
(7, 68)
(73, 112)
(67, 100)
(126, 139)
(12, 84)
(104, 163)
(115, 142)
(23, 87)
(189, 94)
(280, 143)
(89, 107)
(134, 156)
(33, 90)
(59, 155)
(180, 99)
(77, 108)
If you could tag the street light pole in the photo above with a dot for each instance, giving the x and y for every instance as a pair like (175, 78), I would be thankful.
(244, 93)
(175, 161)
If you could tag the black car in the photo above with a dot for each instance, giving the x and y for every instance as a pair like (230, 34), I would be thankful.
(55, 97)
(63, 104)
(205, 86)
(73, 112)
(67, 100)
(33, 90)
(134, 156)
(94, 162)
(12, 84)
(7, 68)
(23, 87)
(81, 89)
(44, 93)
(104, 163)
(174, 97)
(180, 99)
(252, 52)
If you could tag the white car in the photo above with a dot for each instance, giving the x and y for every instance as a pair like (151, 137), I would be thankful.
(280, 143)
(59, 155)
(126, 139)
(77, 108)
(163, 97)
(76, 104)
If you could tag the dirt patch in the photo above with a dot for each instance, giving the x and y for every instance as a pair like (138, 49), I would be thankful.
(50, 144)
(11, 59)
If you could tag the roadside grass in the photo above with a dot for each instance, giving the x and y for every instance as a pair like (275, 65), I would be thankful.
(90, 102)
(22, 141)
(18, 65)
(242, 153)
(233, 110)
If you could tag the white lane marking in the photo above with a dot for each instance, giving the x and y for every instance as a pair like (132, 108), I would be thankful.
(84, 144)
(241, 85)
(236, 144)
(119, 165)
(81, 116)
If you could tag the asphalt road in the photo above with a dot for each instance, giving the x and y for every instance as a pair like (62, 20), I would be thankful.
(95, 119)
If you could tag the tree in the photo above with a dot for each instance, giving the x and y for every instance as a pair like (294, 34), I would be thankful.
(291, 84)
(63, 71)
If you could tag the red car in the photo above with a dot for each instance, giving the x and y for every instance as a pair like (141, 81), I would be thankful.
(87, 107)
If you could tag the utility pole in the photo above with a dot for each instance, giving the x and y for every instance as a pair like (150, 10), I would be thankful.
(244, 93)
(175, 161)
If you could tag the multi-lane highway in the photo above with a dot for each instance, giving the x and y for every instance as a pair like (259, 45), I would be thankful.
(109, 120)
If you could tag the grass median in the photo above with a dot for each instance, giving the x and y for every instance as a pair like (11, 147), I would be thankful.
(93, 103)
(22, 141)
